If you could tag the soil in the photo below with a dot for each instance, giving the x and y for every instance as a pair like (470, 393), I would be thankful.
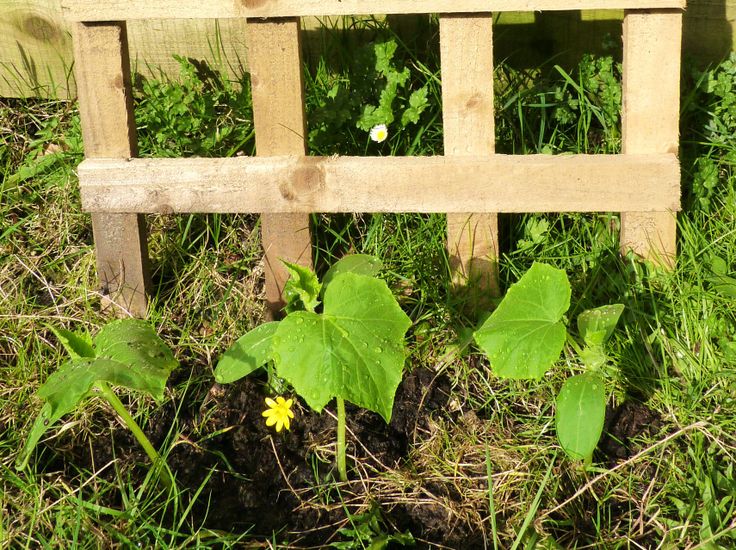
(254, 480)
(623, 424)
(263, 483)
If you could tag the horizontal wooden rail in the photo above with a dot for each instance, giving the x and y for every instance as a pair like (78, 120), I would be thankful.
(498, 183)
(122, 10)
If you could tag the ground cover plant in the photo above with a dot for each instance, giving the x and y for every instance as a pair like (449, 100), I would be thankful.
(468, 459)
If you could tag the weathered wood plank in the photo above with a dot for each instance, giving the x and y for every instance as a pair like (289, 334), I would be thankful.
(497, 183)
(108, 130)
(101, 10)
(274, 50)
(650, 120)
(36, 50)
(466, 49)
(36, 47)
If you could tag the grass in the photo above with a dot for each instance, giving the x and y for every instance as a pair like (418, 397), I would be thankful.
(676, 344)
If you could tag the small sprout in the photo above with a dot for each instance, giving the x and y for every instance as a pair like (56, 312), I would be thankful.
(379, 133)
(278, 412)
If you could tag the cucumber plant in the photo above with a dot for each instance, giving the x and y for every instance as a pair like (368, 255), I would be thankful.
(352, 349)
(524, 337)
(126, 353)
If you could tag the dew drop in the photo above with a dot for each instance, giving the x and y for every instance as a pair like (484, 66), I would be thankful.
(378, 350)
(299, 320)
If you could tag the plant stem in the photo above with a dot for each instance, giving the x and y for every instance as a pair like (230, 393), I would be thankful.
(574, 344)
(341, 466)
(132, 425)
(588, 461)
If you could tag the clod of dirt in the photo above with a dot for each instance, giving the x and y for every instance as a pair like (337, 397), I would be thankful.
(624, 423)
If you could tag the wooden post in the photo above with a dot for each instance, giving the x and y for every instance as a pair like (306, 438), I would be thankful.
(466, 49)
(651, 108)
(275, 65)
(102, 70)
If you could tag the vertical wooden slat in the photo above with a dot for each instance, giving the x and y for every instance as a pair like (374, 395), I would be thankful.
(466, 48)
(102, 71)
(651, 107)
(275, 66)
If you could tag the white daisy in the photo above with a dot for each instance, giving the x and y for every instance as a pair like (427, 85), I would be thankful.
(379, 133)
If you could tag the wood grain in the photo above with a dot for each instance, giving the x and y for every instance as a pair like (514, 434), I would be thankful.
(274, 50)
(36, 47)
(108, 130)
(466, 49)
(650, 120)
(100, 10)
(293, 184)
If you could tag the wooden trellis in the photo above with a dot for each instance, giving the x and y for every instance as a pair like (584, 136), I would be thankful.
(470, 183)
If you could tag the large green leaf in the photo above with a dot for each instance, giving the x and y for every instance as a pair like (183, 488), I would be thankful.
(363, 264)
(580, 413)
(249, 352)
(74, 380)
(354, 350)
(596, 326)
(133, 343)
(525, 335)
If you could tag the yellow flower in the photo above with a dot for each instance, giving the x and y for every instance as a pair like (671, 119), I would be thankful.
(379, 133)
(278, 412)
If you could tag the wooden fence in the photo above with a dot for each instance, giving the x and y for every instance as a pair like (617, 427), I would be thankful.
(470, 182)
(36, 45)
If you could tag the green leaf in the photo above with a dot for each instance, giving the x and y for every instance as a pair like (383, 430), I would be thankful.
(73, 382)
(362, 264)
(136, 345)
(75, 345)
(593, 356)
(718, 266)
(525, 335)
(596, 325)
(384, 52)
(417, 103)
(723, 284)
(248, 353)
(580, 413)
(128, 353)
(302, 289)
(354, 350)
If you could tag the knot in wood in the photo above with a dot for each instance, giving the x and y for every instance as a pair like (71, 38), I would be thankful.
(41, 29)
(252, 4)
(305, 180)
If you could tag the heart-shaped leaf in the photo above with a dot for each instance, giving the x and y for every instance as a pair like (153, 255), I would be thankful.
(525, 334)
(354, 350)
(596, 326)
(580, 413)
(248, 353)
(362, 264)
